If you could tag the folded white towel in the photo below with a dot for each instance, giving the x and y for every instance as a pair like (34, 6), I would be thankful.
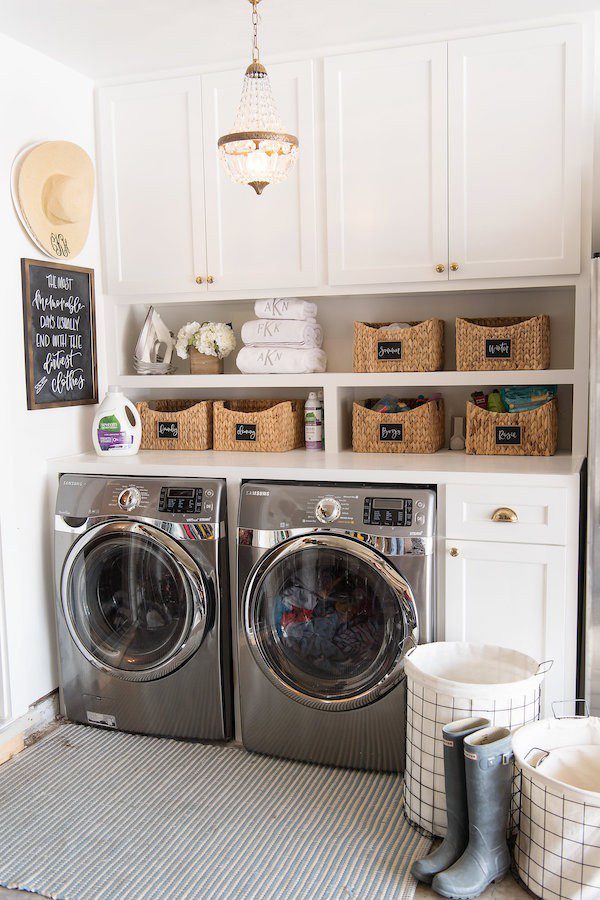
(282, 333)
(280, 360)
(285, 308)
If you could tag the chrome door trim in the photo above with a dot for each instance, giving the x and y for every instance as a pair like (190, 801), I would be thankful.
(196, 620)
(387, 545)
(180, 531)
(370, 557)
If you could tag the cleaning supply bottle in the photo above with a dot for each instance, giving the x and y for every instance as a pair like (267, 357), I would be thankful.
(117, 428)
(313, 423)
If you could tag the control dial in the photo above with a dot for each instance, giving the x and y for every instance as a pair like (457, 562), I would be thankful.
(129, 499)
(328, 510)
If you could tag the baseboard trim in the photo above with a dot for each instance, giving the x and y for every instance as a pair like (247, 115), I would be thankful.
(15, 733)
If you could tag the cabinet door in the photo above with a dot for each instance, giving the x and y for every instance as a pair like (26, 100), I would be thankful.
(514, 134)
(386, 152)
(267, 241)
(152, 186)
(512, 595)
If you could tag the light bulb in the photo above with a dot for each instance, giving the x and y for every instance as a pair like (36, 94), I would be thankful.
(257, 165)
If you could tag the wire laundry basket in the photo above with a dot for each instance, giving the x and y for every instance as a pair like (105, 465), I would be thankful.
(556, 852)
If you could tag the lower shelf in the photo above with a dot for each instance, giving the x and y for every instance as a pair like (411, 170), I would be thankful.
(303, 465)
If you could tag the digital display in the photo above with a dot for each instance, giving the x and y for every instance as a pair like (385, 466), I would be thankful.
(180, 500)
(393, 512)
(379, 503)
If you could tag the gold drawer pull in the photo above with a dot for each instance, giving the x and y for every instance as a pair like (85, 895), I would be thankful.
(454, 551)
(504, 514)
(440, 268)
(199, 279)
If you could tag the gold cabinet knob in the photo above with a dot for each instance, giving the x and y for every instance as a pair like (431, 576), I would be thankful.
(199, 279)
(210, 280)
(454, 267)
(440, 267)
(504, 514)
(454, 551)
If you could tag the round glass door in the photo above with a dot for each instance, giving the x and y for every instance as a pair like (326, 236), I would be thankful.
(133, 600)
(330, 619)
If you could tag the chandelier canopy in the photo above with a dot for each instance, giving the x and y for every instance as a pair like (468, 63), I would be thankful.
(258, 151)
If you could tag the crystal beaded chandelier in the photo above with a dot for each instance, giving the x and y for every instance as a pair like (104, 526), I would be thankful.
(258, 151)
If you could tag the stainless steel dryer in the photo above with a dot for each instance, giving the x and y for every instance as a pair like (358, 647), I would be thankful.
(143, 604)
(336, 584)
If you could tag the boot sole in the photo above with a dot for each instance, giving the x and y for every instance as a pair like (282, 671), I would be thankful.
(470, 896)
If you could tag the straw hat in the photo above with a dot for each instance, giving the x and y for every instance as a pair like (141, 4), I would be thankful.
(52, 188)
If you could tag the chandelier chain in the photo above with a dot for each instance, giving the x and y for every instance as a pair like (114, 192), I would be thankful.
(255, 50)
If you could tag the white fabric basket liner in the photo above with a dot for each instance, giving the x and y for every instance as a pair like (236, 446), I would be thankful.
(572, 766)
(473, 671)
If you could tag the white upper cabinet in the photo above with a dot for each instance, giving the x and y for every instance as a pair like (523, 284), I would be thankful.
(266, 241)
(152, 186)
(514, 134)
(386, 145)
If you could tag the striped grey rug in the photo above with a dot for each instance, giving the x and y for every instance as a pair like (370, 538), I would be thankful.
(88, 813)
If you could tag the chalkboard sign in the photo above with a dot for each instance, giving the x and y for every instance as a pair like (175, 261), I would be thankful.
(60, 334)
(391, 432)
(245, 432)
(389, 349)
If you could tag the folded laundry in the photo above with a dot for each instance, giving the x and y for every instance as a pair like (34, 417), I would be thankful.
(280, 360)
(285, 308)
(295, 333)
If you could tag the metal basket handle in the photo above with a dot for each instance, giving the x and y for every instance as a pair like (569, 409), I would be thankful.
(575, 701)
(544, 667)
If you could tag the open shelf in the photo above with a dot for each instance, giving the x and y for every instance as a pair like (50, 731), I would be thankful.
(350, 379)
(442, 467)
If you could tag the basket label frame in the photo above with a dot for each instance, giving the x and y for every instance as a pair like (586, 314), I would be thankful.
(394, 432)
(167, 431)
(389, 351)
(509, 435)
(245, 432)
(498, 348)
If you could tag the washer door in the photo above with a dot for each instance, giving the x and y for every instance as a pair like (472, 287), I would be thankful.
(329, 620)
(135, 603)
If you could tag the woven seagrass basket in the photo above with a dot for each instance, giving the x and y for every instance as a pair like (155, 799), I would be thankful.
(176, 424)
(503, 344)
(530, 433)
(419, 348)
(271, 425)
(419, 430)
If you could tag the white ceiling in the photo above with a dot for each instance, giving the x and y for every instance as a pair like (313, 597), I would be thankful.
(105, 38)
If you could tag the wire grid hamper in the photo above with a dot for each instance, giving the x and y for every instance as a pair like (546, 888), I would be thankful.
(438, 693)
(176, 424)
(258, 425)
(503, 343)
(419, 430)
(533, 432)
(418, 348)
(556, 853)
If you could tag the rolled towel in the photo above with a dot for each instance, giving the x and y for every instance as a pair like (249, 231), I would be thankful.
(280, 361)
(282, 333)
(285, 308)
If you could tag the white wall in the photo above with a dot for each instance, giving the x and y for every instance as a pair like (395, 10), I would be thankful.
(40, 99)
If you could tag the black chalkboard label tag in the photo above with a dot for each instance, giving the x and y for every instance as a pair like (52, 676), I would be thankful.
(391, 432)
(245, 432)
(508, 434)
(498, 349)
(168, 430)
(389, 350)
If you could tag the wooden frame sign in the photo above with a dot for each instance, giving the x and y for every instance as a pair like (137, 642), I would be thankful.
(60, 334)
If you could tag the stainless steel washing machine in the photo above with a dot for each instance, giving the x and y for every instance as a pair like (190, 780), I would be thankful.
(142, 607)
(336, 584)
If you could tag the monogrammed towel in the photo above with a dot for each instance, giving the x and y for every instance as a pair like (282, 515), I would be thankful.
(282, 333)
(280, 360)
(285, 308)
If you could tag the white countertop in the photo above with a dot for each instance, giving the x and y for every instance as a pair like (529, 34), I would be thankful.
(443, 467)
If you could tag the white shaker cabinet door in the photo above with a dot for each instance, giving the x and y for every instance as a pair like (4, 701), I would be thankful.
(267, 241)
(386, 117)
(514, 135)
(513, 595)
(152, 186)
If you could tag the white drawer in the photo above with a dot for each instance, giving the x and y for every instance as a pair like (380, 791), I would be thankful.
(475, 512)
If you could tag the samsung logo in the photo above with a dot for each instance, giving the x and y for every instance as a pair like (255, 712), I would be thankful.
(258, 493)
(74, 483)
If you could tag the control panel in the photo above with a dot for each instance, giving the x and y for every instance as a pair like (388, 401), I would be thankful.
(388, 511)
(183, 500)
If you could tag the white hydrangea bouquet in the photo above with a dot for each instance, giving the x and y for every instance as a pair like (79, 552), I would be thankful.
(206, 344)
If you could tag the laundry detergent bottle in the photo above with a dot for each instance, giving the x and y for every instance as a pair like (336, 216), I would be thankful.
(117, 429)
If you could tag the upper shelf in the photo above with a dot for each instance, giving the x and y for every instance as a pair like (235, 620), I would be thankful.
(350, 379)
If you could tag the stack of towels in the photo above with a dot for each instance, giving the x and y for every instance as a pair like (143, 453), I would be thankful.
(284, 339)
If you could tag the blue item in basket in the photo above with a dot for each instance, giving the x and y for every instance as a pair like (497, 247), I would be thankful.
(521, 398)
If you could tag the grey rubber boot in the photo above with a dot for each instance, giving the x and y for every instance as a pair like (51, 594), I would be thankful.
(488, 770)
(457, 835)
